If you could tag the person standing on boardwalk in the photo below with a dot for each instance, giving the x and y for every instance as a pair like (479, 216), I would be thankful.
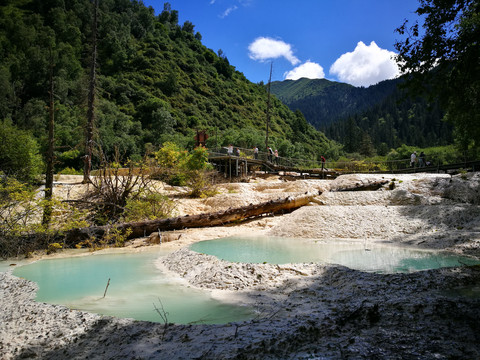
(413, 159)
(270, 154)
(255, 152)
(276, 156)
(323, 162)
(421, 160)
(230, 150)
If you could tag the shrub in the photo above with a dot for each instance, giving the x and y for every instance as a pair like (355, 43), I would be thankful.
(117, 237)
(19, 207)
(197, 160)
(201, 184)
(21, 231)
(170, 156)
(19, 153)
(113, 187)
(177, 167)
(148, 207)
(70, 171)
(53, 247)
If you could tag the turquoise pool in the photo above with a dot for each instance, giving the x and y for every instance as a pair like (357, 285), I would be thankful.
(355, 255)
(136, 288)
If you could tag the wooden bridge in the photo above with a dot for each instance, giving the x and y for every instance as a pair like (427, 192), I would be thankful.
(246, 163)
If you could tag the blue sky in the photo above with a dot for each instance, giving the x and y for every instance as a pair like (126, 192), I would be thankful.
(350, 41)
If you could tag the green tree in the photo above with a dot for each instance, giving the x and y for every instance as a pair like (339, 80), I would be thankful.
(19, 153)
(366, 146)
(156, 81)
(443, 60)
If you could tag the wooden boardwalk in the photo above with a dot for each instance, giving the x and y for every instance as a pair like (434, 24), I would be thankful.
(238, 166)
(242, 166)
(469, 166)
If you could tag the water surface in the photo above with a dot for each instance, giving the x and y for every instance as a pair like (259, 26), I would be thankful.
(357, 255)
(136, 288)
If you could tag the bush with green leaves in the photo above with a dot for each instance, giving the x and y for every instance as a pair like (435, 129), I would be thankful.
(438, 155)
(21, 228)
(179, 167)
(19, 207)
(170, 156)
(19, 153)
(149, 206)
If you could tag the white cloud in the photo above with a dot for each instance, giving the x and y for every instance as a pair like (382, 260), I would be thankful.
(228, 11)
(308, 70)
(366, 65)
(264, 48)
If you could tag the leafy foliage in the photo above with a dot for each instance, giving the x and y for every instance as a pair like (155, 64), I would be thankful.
(395, 121)
(369, 120)
(156, 82)
(436, 155)
(148, 206)
(443, 61)
(21, 230)
(324, 102)
(182, 168)
(19, 153)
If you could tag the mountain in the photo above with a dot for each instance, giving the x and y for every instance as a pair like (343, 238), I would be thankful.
(156, 82)
(366, 120)
(324, 102)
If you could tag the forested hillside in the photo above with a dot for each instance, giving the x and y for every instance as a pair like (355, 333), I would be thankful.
(395, 121)
(324, 102)
(155, 82)
(366, 120)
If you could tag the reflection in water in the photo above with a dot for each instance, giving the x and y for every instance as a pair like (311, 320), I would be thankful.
(391, 260)
(356, 255)
(136, 288)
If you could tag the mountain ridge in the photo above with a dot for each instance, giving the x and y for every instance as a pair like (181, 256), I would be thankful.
(381, 116)
(333, 100)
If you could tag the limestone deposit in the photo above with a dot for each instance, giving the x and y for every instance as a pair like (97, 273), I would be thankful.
(304, 311)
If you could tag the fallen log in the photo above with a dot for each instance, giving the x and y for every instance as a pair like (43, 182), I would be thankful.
(362, 186)
(145, 228)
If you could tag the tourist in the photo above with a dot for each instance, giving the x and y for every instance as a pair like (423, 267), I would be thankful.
(270, 154)
(413, 159)
(323, 162)
(276, 156)
(230, 150)
(421, 160)
(255, 152)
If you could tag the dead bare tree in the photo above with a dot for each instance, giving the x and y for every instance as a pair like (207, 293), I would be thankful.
(163, 315)
(47, 211)
(268, 106)
(91, 99)
(112, 186)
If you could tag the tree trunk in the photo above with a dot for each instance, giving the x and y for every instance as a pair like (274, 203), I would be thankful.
(268, 106)
(47, 211)
(362, 186)
(145, 228)
(91, 100)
